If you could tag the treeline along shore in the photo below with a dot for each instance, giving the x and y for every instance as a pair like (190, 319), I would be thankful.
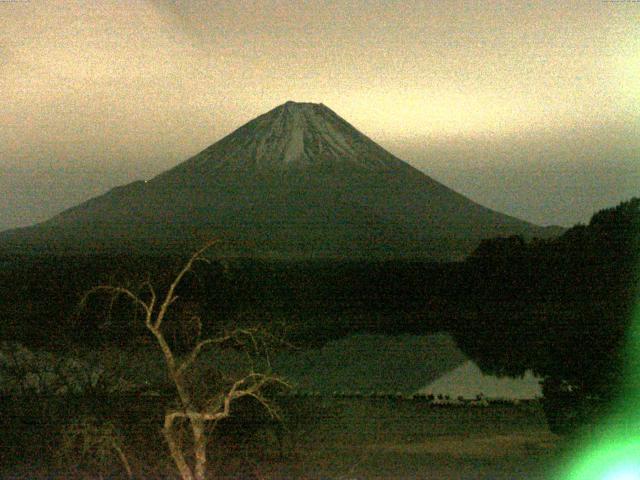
(561, 306)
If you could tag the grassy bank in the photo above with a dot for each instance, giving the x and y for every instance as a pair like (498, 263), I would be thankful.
(320, 438)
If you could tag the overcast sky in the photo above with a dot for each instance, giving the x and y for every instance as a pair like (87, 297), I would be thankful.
(531, 108)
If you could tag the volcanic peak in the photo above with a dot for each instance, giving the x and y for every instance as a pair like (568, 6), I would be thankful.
(297, 181)
(292, 136)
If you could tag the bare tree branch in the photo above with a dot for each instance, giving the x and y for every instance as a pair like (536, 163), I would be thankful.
(193, 355)
(198, 407)
(170, 296)
(152, 303)
(115, 291)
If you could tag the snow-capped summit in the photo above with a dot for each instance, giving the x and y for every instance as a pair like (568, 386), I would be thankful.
(297, 181)
(294, 136)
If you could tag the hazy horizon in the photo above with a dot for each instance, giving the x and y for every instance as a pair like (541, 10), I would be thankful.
(527, 108)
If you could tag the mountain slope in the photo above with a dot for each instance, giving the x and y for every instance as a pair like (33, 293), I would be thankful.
(297, 181)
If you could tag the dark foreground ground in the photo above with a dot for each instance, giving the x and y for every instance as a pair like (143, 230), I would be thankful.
(410, 439)
(327, 438)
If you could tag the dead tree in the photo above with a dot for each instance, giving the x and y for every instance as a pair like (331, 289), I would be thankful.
(197, 407)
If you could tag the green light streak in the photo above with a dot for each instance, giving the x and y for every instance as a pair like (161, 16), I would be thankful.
(613, 453)
(615, 461)
(613, 456)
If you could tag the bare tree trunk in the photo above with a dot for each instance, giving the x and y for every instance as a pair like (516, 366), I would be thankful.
(178, 369)
(176, 450)
(200, 448)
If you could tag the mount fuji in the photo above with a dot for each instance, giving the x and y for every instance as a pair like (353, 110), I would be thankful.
(296, 182)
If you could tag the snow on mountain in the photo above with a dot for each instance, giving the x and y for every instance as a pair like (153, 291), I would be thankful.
(468, 381)
(407, 365)
(297, 181)
(293, 136)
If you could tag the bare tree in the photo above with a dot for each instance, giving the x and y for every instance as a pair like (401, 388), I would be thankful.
(197, 406)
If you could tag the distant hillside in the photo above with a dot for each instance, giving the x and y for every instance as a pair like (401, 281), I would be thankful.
(298, 181)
